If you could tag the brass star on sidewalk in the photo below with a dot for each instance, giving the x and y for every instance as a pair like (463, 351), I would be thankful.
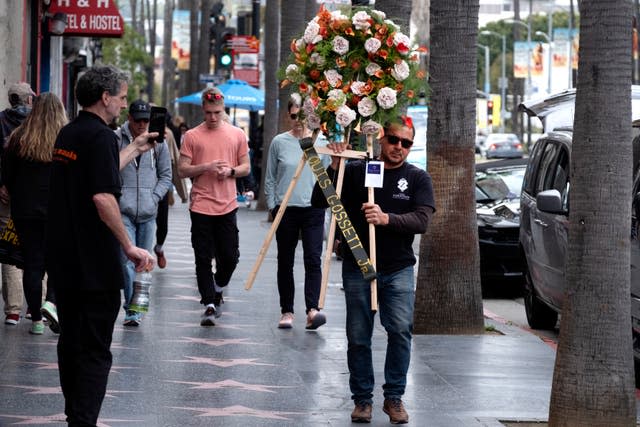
(242, 411)
(222, 363)
(231, 384)
(57, 419)
(216, 342)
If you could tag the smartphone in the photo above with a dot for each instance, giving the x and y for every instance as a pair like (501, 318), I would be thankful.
(157, 122)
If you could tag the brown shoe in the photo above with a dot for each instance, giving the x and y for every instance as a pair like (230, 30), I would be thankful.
(361, 413)
(395, 409)
(162, 261)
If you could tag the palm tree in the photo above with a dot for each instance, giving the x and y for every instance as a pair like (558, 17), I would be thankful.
(292, 24)
(271, 63)
(448, 296)
(593, 376)
(398, 11)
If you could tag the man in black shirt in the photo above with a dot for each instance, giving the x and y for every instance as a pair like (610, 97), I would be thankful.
(84, 238)
(402, 208)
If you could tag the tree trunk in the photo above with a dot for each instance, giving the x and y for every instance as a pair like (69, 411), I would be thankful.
(593, 377)
(398, 11)
(311, 9)
(292, 25)
(448, 295)
(152, 15)
(271, 47)
(168, 92)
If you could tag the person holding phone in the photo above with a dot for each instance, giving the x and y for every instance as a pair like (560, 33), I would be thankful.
(145, 181)
(214, 154)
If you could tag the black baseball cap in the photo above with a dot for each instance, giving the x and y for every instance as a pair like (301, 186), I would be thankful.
(140, 110)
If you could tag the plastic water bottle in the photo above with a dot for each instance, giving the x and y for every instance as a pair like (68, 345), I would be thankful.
(140, 298)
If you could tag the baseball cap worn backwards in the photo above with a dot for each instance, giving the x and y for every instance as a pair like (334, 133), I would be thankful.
(19, 93)
(140, 110)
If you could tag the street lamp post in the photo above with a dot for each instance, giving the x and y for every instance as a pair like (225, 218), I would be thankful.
(487, 85)
(503, 77)
(548, 40)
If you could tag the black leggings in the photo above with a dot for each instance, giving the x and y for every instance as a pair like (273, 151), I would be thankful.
(162, 220)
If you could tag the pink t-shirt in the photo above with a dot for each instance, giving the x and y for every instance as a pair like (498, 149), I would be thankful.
(209, 195)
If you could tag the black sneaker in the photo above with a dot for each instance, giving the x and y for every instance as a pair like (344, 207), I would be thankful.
(218, 301)
(208, 317)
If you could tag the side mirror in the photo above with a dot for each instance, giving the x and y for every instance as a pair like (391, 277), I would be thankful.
(550, 201)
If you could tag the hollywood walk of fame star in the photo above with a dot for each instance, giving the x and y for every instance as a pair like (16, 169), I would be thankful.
(238, 410)
(58, 390)
(231, 384)
(216, 342)
(222, 363)
(218, 326)
(40, 420)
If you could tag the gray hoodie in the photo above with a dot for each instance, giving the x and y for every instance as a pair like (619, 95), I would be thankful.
(145, 180)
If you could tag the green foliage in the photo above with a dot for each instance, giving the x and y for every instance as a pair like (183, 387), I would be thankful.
(129, 54)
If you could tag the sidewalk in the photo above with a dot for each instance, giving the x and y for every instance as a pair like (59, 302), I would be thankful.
(245, 371)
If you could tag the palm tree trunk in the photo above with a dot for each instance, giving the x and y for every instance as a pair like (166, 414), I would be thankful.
(398, 11)
(448, 295)
(593, 377)
(167, 62)
(292, 24)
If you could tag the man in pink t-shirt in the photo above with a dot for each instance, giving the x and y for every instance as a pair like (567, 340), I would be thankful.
(214, 154)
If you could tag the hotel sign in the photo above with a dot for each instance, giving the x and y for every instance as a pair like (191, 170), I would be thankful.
(90, 18)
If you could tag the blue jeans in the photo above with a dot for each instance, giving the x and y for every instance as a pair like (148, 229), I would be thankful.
(307, 222)
(396, 297)
(141, 235)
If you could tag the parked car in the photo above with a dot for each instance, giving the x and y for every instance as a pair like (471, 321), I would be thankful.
(502, 145)
(418, 154)
(498, 185)
(544, 225)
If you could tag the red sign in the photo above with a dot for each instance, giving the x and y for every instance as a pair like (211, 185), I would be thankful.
(90, 18)
(245, 44)
(250, 75)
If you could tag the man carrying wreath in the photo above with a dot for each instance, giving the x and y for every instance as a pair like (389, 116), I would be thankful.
(403, 208)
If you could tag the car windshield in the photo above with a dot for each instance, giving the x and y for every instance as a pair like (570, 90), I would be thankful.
(499, 184)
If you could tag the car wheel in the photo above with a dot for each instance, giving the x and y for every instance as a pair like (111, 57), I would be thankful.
(539, 315)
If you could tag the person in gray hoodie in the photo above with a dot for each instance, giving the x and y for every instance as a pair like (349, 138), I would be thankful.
(145, 181)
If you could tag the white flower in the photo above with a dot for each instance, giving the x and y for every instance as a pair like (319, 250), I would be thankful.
(340, 45)
(386, 98)
(308, 107)
(361, 20)
(367, 107)
(372, 45)
(296, 98)
(337, 97)
(316, 58)
(300, 44)
(333, 77)
(400, 71)
(313, 121)
(372, 68)
(345, 115)
(291, 71)
(356, 87)
(337, 15)
(311, 32)
(379, 14)
(402, 43)
(370, 127)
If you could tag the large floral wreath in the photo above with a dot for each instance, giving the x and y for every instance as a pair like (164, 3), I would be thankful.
(352, 67)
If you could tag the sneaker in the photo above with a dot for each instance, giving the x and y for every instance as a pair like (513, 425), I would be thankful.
(50, 313)
(209, 315)
(132, 318)
(37, 328)
(315, 319)
(162, 261)
(286, 321)
(361, 413)
(218, 300)
(395, 409)
(12, 319)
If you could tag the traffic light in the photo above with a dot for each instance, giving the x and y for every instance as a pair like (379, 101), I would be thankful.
(224, 49)
(489, 112)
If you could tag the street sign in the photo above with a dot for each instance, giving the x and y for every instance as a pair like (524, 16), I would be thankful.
(245, 44)
(90, 18)
(210, 78)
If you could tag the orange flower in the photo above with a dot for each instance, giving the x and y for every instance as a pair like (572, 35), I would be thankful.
(420, 74)
(292, 46)
(389, 41)
(285, 83)
(303, 88)
(310, 48)
(382, 53)
(381, 30)
(322, 85)
(349, 31)
(314, 74)
(379, 74)
(399, 87)
(410, 94)
(367, 88)
(354, 100)
(341, 62)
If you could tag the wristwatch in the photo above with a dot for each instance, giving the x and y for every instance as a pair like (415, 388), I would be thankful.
(233, 172)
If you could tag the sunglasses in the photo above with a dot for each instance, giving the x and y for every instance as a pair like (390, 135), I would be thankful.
(393, 140)
(209, 96)
(294, 116)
